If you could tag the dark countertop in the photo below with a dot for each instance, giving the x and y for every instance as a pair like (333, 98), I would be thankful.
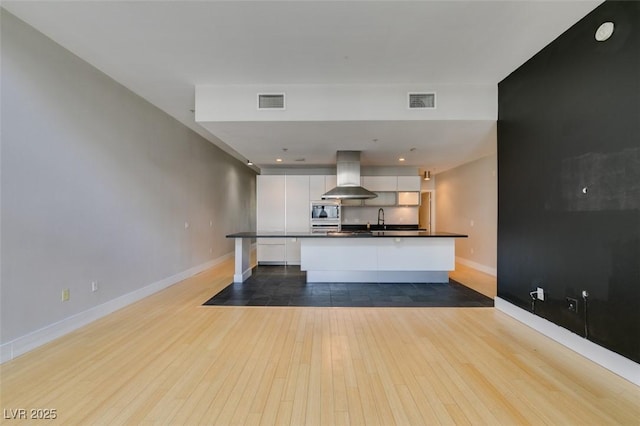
(375, 227)
(349, 234)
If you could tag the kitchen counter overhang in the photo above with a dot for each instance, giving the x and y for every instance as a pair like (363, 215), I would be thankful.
(363, 256)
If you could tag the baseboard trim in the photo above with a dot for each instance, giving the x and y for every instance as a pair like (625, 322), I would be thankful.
(480, 267)
(28, 342)
(240, 278)
(610, 360)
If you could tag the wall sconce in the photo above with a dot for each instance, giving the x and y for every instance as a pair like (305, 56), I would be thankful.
(427, 175)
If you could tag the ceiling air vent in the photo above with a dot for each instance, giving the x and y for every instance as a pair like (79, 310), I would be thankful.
(270, 100)
(422, 100)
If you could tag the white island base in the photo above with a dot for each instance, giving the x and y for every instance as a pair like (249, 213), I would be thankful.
(424, 260)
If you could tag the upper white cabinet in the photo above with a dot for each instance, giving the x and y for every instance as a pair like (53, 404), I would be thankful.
(319, 185)
(408, 183)
(380, 183)
(391, 190)
(409, 198)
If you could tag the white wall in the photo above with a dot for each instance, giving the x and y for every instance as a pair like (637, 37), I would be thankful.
(467, 203)
(97, 185)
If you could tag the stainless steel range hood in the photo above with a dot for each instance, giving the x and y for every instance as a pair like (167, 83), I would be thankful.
(348, 174)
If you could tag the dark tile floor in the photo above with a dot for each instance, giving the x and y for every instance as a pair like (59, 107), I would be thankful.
(286, 286)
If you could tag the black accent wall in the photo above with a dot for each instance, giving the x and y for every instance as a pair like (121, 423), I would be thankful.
(569, 180)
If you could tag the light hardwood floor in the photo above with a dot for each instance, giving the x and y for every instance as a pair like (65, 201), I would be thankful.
(169, 360)
(479, 281)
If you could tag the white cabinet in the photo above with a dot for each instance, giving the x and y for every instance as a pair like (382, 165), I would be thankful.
(414, 254)
(297, 203)
(378, 259)
(298, 213)
(319, 185)
(270, 206)
(391, 190)
(411, 198)
(408, 190)
(409, 183)
(380, 183)
(330, 182)
(292, 252)
(271, 253)
(270, 203)
(283, 204)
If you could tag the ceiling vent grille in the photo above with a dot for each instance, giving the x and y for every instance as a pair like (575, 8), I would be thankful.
(422, 100)
(270, 100)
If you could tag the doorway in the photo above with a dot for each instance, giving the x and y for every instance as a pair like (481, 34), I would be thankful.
(424, 212)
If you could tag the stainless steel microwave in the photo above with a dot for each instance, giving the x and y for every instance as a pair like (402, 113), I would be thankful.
(325, 215)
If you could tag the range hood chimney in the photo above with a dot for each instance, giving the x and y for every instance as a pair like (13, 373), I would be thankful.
(348, 174)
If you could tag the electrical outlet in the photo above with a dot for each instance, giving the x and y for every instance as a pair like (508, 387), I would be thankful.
(65, 294)
(540, 293)
(94, 285)
(572, 304)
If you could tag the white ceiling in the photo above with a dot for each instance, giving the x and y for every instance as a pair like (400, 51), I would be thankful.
(162, 49)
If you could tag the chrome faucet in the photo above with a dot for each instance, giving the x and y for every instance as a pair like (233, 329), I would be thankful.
(381, 210)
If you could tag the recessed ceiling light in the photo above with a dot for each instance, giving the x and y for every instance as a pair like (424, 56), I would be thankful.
(279, 160)
(401, 159)
(604, 31)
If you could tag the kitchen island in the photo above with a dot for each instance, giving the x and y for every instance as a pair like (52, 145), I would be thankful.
(363, 256)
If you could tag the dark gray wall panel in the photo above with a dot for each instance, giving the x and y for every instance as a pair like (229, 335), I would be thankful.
(569, 119)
